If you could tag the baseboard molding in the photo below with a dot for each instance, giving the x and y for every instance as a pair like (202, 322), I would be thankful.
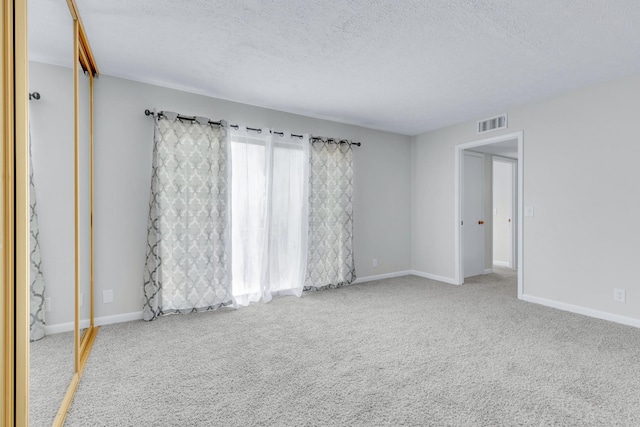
(118, 318)
(501, 263)
(382, 276)
(98, 321)
(430, 276)
(487, 271)
(406, 273)
(57, 328)
(629, 321)
(624, 320)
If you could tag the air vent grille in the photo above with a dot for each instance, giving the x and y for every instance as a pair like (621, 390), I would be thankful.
(494, 123)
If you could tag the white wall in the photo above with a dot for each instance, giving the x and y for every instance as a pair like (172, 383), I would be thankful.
(52, 147)
(123, 141)
(580, 174)
(51, 126)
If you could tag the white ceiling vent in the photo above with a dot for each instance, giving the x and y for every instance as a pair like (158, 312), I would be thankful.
(494, 123)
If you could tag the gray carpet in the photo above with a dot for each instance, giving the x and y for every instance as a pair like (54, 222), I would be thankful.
(404, 351)
(50, 372)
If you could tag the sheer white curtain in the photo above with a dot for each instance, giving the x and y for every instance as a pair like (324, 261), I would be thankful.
(269, 214)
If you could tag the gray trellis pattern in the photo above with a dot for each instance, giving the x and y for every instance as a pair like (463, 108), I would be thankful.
(330, 257)
(187, 256)
(37, 285)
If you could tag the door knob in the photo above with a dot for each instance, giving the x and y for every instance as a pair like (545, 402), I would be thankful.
(481, 222)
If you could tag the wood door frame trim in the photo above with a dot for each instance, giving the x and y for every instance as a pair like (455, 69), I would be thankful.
(15, 220)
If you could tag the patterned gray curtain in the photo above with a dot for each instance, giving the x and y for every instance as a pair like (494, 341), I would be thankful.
(330, 259)
(187, 251)
(37, 304)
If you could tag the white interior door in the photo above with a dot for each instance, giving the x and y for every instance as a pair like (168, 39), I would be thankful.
(473, 214)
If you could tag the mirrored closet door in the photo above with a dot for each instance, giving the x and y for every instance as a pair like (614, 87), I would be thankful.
(51, 124)
(61, 78)
(86, 70)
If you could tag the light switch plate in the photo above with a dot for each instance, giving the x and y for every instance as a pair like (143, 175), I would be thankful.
(528, 211)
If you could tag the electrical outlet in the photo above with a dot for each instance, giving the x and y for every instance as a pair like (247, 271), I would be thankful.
(374, 262)
(47, 304)
(619, 295)
(141, 293)
(107, 296)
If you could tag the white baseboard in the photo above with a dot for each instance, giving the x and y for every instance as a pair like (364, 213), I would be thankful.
(57, 328)
(406, 273)
(118, 318)
(98, 321)
(382, 276)
(487, 271)
(501, 263)
(64, 327)
(629, 321)
(434, 277)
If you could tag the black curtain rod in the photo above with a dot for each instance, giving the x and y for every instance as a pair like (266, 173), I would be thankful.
(334, 141)
(180, 116)
(313, 139)
(34, 95)
(193, 119)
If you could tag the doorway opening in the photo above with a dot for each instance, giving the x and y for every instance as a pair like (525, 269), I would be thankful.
(474, 209)
(504, 214)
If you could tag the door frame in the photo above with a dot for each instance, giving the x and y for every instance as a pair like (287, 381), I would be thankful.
(513, 260)
(459, 152)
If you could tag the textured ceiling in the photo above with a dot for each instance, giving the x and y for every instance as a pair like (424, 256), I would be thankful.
(402, 66)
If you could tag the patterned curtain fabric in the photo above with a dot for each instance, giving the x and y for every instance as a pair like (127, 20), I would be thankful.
(269, 211)
(37, 304)
(187, 239)
(330, 259)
